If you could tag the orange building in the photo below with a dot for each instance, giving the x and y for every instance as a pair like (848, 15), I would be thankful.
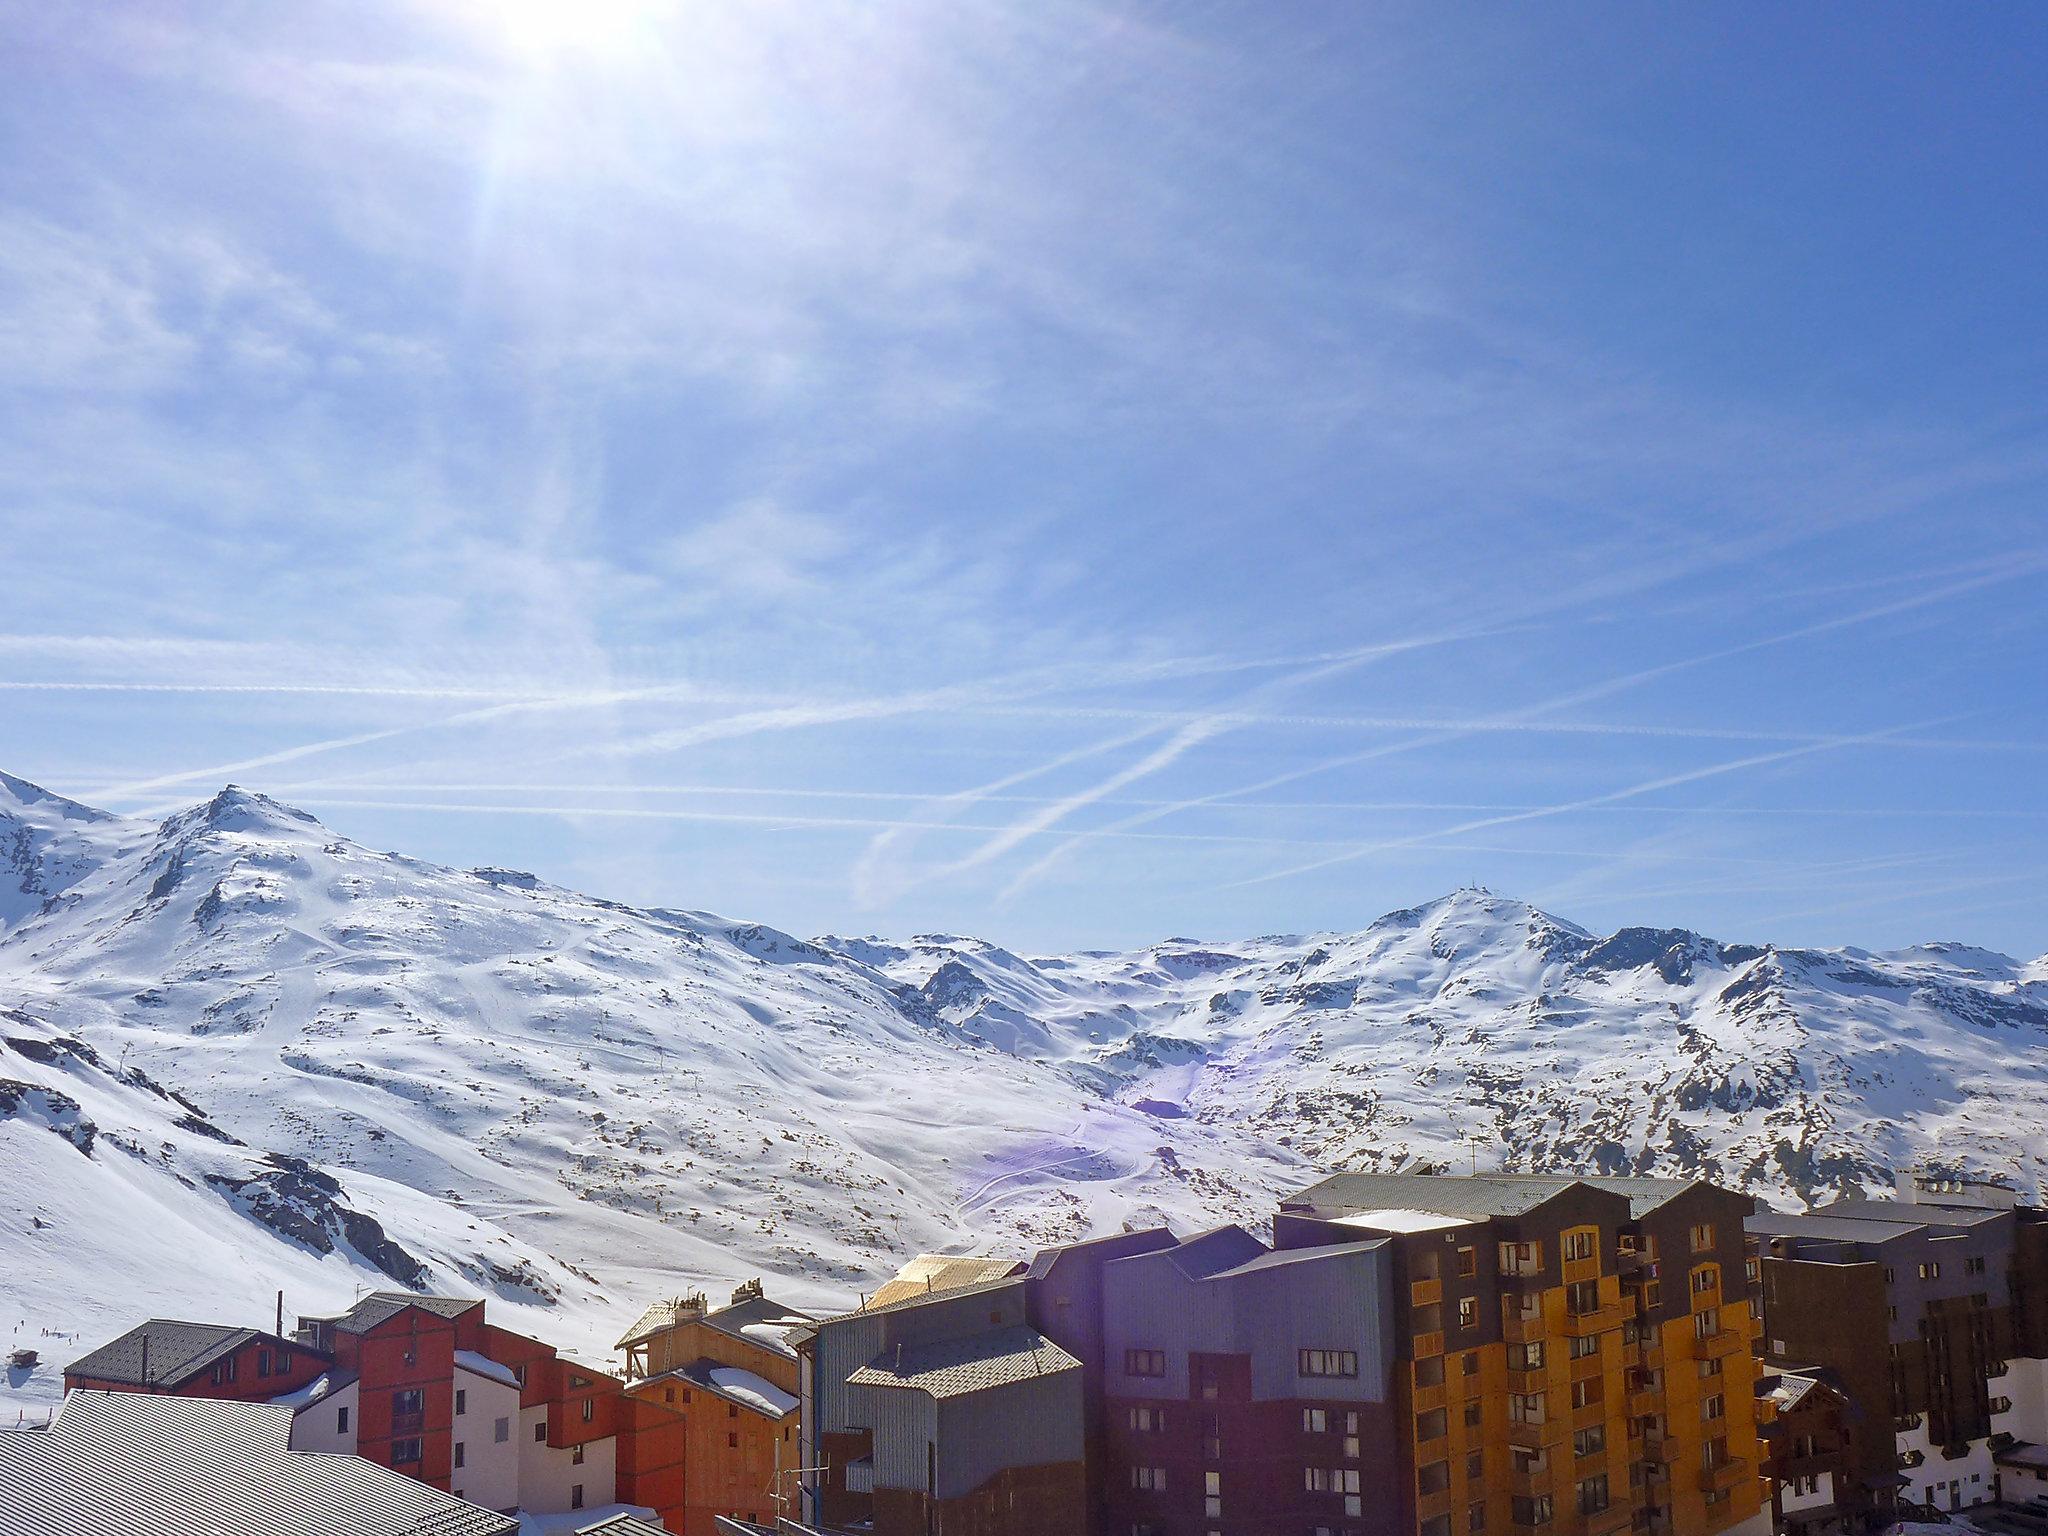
(732, 1377)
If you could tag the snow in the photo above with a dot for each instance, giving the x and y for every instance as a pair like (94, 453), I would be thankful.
(481, 1365)
(755, 1391)
(571, 1107)
(310, 1393)
(1403, 1221)
(774, 1334)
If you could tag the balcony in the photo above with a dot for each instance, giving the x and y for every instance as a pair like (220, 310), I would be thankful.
(1429, 1344)
(1602, 1319)
(1526, 1382)
(1594, 1413)
(1645, 1401)
(1540, 1436)
(1519, 1328)
(1430, 1505)
(1586, 1367)
(1605, 1522)
(1720, 1479)
(1530, 1481)
(1716, 1426)
(1423, 1293)
(1576, 1270)
(1722, 1342)
(1659, 1449)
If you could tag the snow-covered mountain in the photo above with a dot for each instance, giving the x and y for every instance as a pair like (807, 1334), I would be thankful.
(239, 1054)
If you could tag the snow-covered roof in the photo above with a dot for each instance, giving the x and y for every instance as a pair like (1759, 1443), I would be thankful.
(1400, 1219)
(321, 1387)
(755, 1391)
(482, 1365)
(774, 1335)
(930, 1273)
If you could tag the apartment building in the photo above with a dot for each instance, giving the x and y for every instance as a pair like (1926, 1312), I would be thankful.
(731, 1375)
(1804, 1422)
(1930, 1313)
(213, 1360)
(1571, 1355)
(946, 1413)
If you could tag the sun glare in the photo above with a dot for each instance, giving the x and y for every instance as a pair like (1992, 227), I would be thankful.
(557, 26)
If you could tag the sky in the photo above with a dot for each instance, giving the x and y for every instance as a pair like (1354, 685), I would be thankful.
(1069, 473)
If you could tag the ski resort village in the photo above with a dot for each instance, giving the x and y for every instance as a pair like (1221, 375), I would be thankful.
(349, 1194)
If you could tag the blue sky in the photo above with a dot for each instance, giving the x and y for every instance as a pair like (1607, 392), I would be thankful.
(1071, 473)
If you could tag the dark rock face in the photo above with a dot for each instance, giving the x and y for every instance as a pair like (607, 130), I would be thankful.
(302, 1204)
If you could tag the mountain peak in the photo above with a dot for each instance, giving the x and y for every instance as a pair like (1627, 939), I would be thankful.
(236, 809)
(25, 795)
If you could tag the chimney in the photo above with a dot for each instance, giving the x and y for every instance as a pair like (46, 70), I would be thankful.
(280, 1314)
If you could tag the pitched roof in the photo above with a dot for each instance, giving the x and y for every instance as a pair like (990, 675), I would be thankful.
(930, 1273)
(1828, 1227)
(621, 1525)
(996, 1357)
(1478, 1196)
(1212, 1252)
(660, 1317)
(163, 1352)
(1118, 1245)
(753, 1313)
(149, 1465)
(733, 1384)
(380, 1307)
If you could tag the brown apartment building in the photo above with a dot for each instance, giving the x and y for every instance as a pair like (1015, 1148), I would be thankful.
(1573, 1355)
(731, 1374)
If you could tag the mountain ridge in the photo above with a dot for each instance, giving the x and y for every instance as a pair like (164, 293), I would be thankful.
(326, 1066)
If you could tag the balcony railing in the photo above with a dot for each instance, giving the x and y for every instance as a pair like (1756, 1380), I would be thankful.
(1719, 1478)
(1530, 1481)
(1644, 1401)
(1518, 1328)
(1602, 1319)
(1658, 1448)
(1539, 1436)
(1604, 1522)
(1720, 1343)
(1527, 1381)
(1423, 1293)
(1428, 1344)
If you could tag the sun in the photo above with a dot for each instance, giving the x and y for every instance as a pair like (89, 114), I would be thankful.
(559, 26)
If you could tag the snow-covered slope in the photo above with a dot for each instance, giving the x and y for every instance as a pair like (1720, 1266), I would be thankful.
(242, 1054)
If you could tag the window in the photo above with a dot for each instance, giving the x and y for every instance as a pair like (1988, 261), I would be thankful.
(262, 1362)
(668, 1394)
(1521, 1258)
(1475, 1465)
(1974, 1264)
(501, 1431)
(540, 1432)
(1590, 1442)
(732, 1440)
(1526, 1357)
(589, 1410)
(1149, 1479)
(1930, 1271)
(224, 1372)
(1475, 1517)
(1144, 1362)
(1424, 1266)
(1582, 1244)
(1525, 1407)
(1530, 1509)
(1469, 1365)
(1429, 1371)
(1703, 1237)
(519, 1374)
(1706, 1322)
(1328, 1362)
(1593, 1494)
(341, 1419)
(1433, 1425)
(576, 1457)
(576, 1496)
(1585, 1393)
(1712, 1408)
(1435, 1525)
(412, 1402)
(1583, 1346)
(460, 1454)
(1706, 1278)
(1468, 1262)
(1152, 1421)
(405, 1453)
(1582, 1297)
(1711, 1368)
(461, 1401)
(1472, 1415)
(1468, 1311)
(1212, 1495)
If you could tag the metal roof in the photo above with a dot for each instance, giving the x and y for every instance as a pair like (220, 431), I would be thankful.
(1912, 1213)
(930, 1273)
(621, 1525)
(172, 1352)
(755, 1309)
(920, 1298)
(1479, 1196)
(660, 1317)
(1830, 1228)
(142, 1464)
(1284, 1258)
(380, 1307)
(997, 1357)
(1212, 1252)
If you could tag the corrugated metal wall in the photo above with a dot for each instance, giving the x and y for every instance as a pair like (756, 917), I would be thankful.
(1339, 1299)
(1029, 1424)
